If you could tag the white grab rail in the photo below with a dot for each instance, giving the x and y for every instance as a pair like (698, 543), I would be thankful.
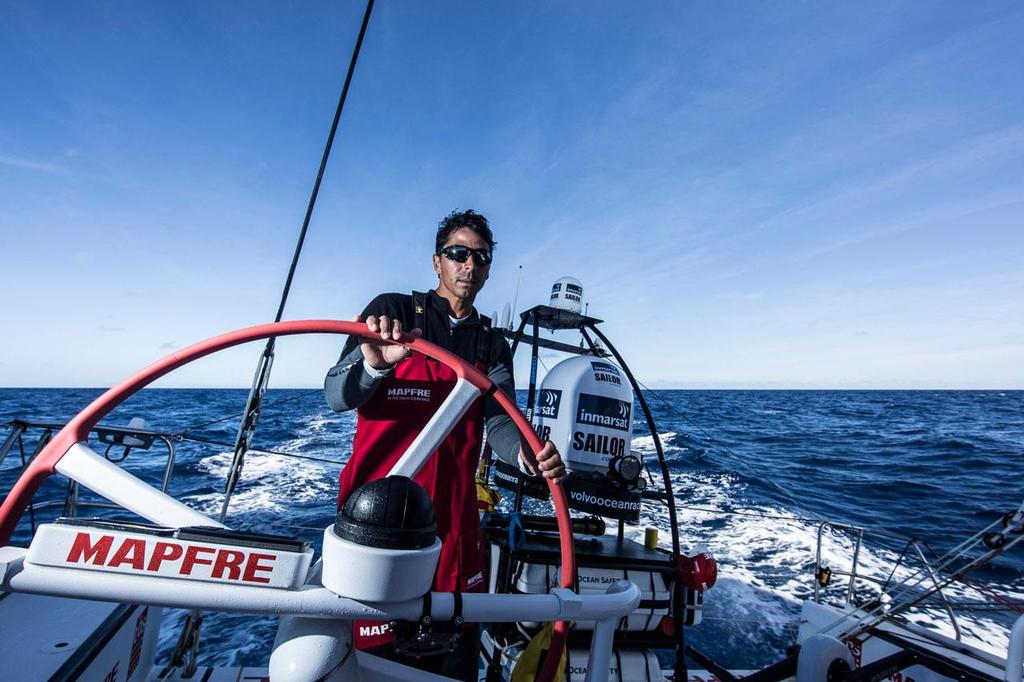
(1015, 653)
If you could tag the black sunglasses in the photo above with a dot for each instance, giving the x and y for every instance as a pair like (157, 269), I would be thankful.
(460, 254)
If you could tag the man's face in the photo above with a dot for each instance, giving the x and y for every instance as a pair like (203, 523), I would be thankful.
(462, 280)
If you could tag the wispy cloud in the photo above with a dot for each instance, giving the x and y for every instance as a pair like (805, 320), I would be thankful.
(760, 184)
(57, 169)
(30, 164)
(922, 218)
(741, 296)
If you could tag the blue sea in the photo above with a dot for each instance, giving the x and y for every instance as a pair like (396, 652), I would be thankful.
(753, 473)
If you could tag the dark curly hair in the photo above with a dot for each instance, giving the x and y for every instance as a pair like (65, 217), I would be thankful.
(457, 220)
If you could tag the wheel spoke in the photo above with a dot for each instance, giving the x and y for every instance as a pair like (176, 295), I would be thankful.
(86, 467)
(436, 430)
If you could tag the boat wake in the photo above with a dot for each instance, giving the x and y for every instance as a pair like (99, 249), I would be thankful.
(766, 567)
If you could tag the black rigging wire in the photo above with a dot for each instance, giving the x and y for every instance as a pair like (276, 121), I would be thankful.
(31, 503)
(323, 160)
(195, 427)
(955, 575)
(758, 514)
(259, 451)
(742, 461)
(261, 377)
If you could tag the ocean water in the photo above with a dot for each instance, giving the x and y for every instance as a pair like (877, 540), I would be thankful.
(753, 474)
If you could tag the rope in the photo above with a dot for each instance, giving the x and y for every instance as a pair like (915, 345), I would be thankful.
(750, 470)
(296, 455)
(258, 451)
(909, 584)
(763, 515)
(988, 591)
(898, 563)
(261, 377)
(879, 615)
(181, 434)
(292, 526)
(998, 599)
(31, 502)
(323, 160)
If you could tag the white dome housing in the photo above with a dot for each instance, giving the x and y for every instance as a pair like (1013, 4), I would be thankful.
(567, 294)
(585, 407)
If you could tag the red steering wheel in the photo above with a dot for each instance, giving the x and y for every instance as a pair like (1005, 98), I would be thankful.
(162, 509)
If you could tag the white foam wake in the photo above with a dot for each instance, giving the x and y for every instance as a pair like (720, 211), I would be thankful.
(766, 558)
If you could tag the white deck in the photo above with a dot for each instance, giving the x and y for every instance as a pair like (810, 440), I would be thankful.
(822, 618)
(216, 675)
(41, 633)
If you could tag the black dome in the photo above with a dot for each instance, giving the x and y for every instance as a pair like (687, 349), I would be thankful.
(390, 513)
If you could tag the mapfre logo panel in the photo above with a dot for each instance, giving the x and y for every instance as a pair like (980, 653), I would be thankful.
(420, 395)
(97, 549)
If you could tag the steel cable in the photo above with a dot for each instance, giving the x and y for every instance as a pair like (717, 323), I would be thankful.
(181, 434)
(742, 461)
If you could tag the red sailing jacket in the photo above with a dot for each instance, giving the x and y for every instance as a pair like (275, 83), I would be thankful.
(389, 421)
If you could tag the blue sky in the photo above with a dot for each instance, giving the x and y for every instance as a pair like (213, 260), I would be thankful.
(753, 194)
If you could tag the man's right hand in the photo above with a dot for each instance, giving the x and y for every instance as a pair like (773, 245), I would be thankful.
(379, 354)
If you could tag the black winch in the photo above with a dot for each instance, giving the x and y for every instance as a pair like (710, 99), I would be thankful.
(390, 513)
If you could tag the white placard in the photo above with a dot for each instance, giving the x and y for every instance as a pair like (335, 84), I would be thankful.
(107, 550)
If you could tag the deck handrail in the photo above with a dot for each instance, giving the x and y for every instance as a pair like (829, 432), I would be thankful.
(854, 576)
(1015, 653)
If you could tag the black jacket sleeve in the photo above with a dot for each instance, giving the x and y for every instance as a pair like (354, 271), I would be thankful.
(348, 384)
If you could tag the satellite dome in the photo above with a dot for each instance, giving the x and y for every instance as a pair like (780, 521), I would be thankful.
(567, 294)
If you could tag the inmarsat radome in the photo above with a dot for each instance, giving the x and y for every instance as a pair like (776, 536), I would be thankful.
(585, 408)
(567, 294)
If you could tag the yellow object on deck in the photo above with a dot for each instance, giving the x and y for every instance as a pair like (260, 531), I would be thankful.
(651, 538)
(487, 498)
(528, 666)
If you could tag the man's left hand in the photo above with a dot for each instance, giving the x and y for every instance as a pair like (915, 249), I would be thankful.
(549, 462)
